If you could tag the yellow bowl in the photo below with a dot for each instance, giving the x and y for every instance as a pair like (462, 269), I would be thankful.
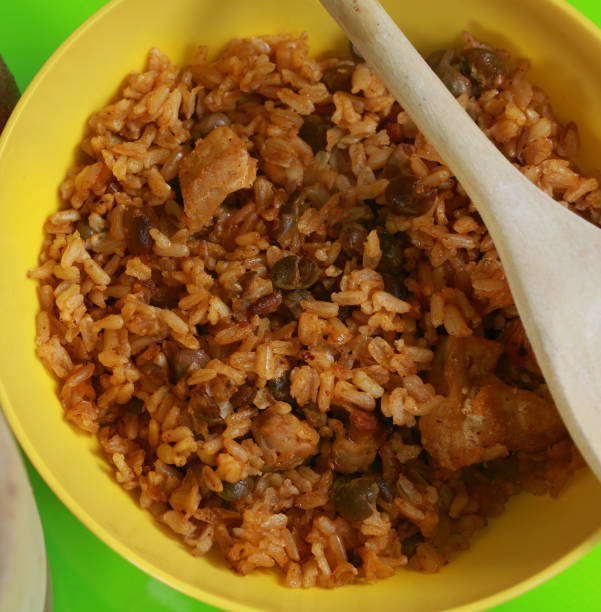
(533, 540)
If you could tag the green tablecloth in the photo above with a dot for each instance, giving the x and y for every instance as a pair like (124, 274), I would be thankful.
(86, 574)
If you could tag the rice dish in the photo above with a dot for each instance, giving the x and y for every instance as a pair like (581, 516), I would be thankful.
(284, 320)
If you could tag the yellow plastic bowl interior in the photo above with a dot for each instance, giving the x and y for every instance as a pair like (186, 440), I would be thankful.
(534, 539)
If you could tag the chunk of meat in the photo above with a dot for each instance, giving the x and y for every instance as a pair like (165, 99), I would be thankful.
(447, 436)
(482, 418)
(498, 419)
(518, 418)
(459, 362)
(218, 166)
(354, 449)
(285, 440)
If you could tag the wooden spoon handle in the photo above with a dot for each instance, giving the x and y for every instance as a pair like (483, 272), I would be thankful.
(551, 257)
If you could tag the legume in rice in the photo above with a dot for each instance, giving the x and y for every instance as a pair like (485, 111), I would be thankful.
(284, 320)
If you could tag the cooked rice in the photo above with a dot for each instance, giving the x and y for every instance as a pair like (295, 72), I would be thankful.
(337, 421)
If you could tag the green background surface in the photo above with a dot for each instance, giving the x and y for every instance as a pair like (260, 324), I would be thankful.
(86, 574)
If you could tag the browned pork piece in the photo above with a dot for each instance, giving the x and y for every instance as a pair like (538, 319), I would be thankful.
(355, 447)
(482, 418)
(285, 440)
(218, 166)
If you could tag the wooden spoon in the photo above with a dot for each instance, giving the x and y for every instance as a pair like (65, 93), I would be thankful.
(551, 256)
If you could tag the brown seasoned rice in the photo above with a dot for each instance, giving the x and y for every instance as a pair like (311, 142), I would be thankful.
(285, 322)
